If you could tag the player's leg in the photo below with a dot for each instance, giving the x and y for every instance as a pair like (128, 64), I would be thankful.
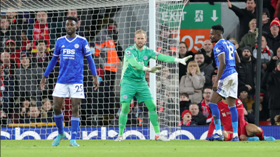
(59, 93)
(77, 93)
(75, 120)
(215, 98)
(144, 95)
(234, 116)
(127, 93)
(253, 130)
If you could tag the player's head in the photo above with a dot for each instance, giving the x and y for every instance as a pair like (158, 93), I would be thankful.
(216, 33)
(250, 5)
(71, 25)
(140, 38)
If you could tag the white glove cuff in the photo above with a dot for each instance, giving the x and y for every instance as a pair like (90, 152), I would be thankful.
(146, 68)
(177, 60)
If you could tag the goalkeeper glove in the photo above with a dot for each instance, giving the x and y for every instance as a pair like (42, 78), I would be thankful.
(154, 69)
(183, 60)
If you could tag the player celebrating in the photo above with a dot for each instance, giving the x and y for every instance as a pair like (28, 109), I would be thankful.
(133, 80)
(71, 49)
(226, 81)
(246, 131)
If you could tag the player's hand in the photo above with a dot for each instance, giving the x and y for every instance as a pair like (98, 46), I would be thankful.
(183, 60)
(154, 69)
(229, 4)
(96, 82)
(215, 86)
(42, 83)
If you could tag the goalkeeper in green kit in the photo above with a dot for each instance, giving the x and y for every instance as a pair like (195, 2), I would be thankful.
(133, 81)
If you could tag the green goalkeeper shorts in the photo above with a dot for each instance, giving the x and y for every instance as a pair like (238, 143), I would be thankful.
(140, 90)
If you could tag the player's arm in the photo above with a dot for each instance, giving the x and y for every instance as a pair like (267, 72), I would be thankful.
(241, 120)
(51, 65)
(221, 68)
(237, 59)
(169, 59)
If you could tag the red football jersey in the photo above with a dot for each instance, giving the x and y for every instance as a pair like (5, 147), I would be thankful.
(226, 118)
(206, 111)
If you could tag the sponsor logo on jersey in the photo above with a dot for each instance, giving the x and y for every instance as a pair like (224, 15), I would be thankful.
(218, 50)
(145, 57)
(69, 53)
(76, 46)
(128, 53)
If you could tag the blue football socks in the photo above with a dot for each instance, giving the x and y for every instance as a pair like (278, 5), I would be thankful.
(59, 123)
(75, 121)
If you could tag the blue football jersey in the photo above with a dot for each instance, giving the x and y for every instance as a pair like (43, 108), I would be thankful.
(71, 52)
(226, 47)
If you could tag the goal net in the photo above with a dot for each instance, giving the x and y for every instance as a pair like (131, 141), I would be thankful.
(29, 29)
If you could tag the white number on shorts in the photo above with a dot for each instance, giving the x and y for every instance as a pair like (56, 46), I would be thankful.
(79, 88)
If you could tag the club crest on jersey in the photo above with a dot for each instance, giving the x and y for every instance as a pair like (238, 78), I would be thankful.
(145, 57)
(128, 53)
(218, 50)
(87, 48)
(76, 46)
(125, 96)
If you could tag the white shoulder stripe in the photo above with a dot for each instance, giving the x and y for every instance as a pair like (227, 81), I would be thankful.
(78, 36)
(88, 54)
(61, 37)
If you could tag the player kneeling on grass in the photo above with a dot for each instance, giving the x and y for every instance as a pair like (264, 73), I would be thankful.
(133, 81)
(246, 131)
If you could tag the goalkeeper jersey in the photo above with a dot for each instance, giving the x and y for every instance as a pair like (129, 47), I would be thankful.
(130, 73)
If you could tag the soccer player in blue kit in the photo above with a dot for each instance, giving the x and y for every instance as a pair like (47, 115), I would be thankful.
(71, 49)
(226, 82)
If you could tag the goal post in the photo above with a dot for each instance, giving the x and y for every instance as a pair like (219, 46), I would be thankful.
(100, 109)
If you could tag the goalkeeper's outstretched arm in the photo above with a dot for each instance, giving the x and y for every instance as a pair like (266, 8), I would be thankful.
(170, 59)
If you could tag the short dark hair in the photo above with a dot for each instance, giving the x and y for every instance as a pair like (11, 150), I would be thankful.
(199, 53)
(41, 41)
(250, 0)
(71, 18)
(208, 87)
(218, 28)
(4, 17)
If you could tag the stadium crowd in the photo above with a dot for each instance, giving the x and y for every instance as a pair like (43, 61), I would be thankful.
(27, 42)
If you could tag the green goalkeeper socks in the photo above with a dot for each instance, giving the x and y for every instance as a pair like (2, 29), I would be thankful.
(123, 117)
(153, 114)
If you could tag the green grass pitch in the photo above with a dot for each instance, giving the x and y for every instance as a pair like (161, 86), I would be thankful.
(139, 148)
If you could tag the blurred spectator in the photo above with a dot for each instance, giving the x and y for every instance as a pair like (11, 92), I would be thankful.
(205, 69)
(47, 110)
(113, 32)
(272, 38)
(266, 20)
(213, 76)
(207, 50)
(247, 71)
(193, 82)
(33, 115)
(266, 53)
(184, 102)
(164, 111)
(8, 66)
(263, 108)
(106, 49)
(187, 119)
(166, 43)
(21, 109)
(244, 15)
(8, 31)
(272, 63)
(28, 77)
(41, 58)
(273, 91)
(10, 47)
(183, 52)
(4, 119)
(2, 86)
(249, 39)
(277, 119)
(166, 84)
(236, 45)
(205, 104)
(246, 99)
(40, 30)
(197, 116)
